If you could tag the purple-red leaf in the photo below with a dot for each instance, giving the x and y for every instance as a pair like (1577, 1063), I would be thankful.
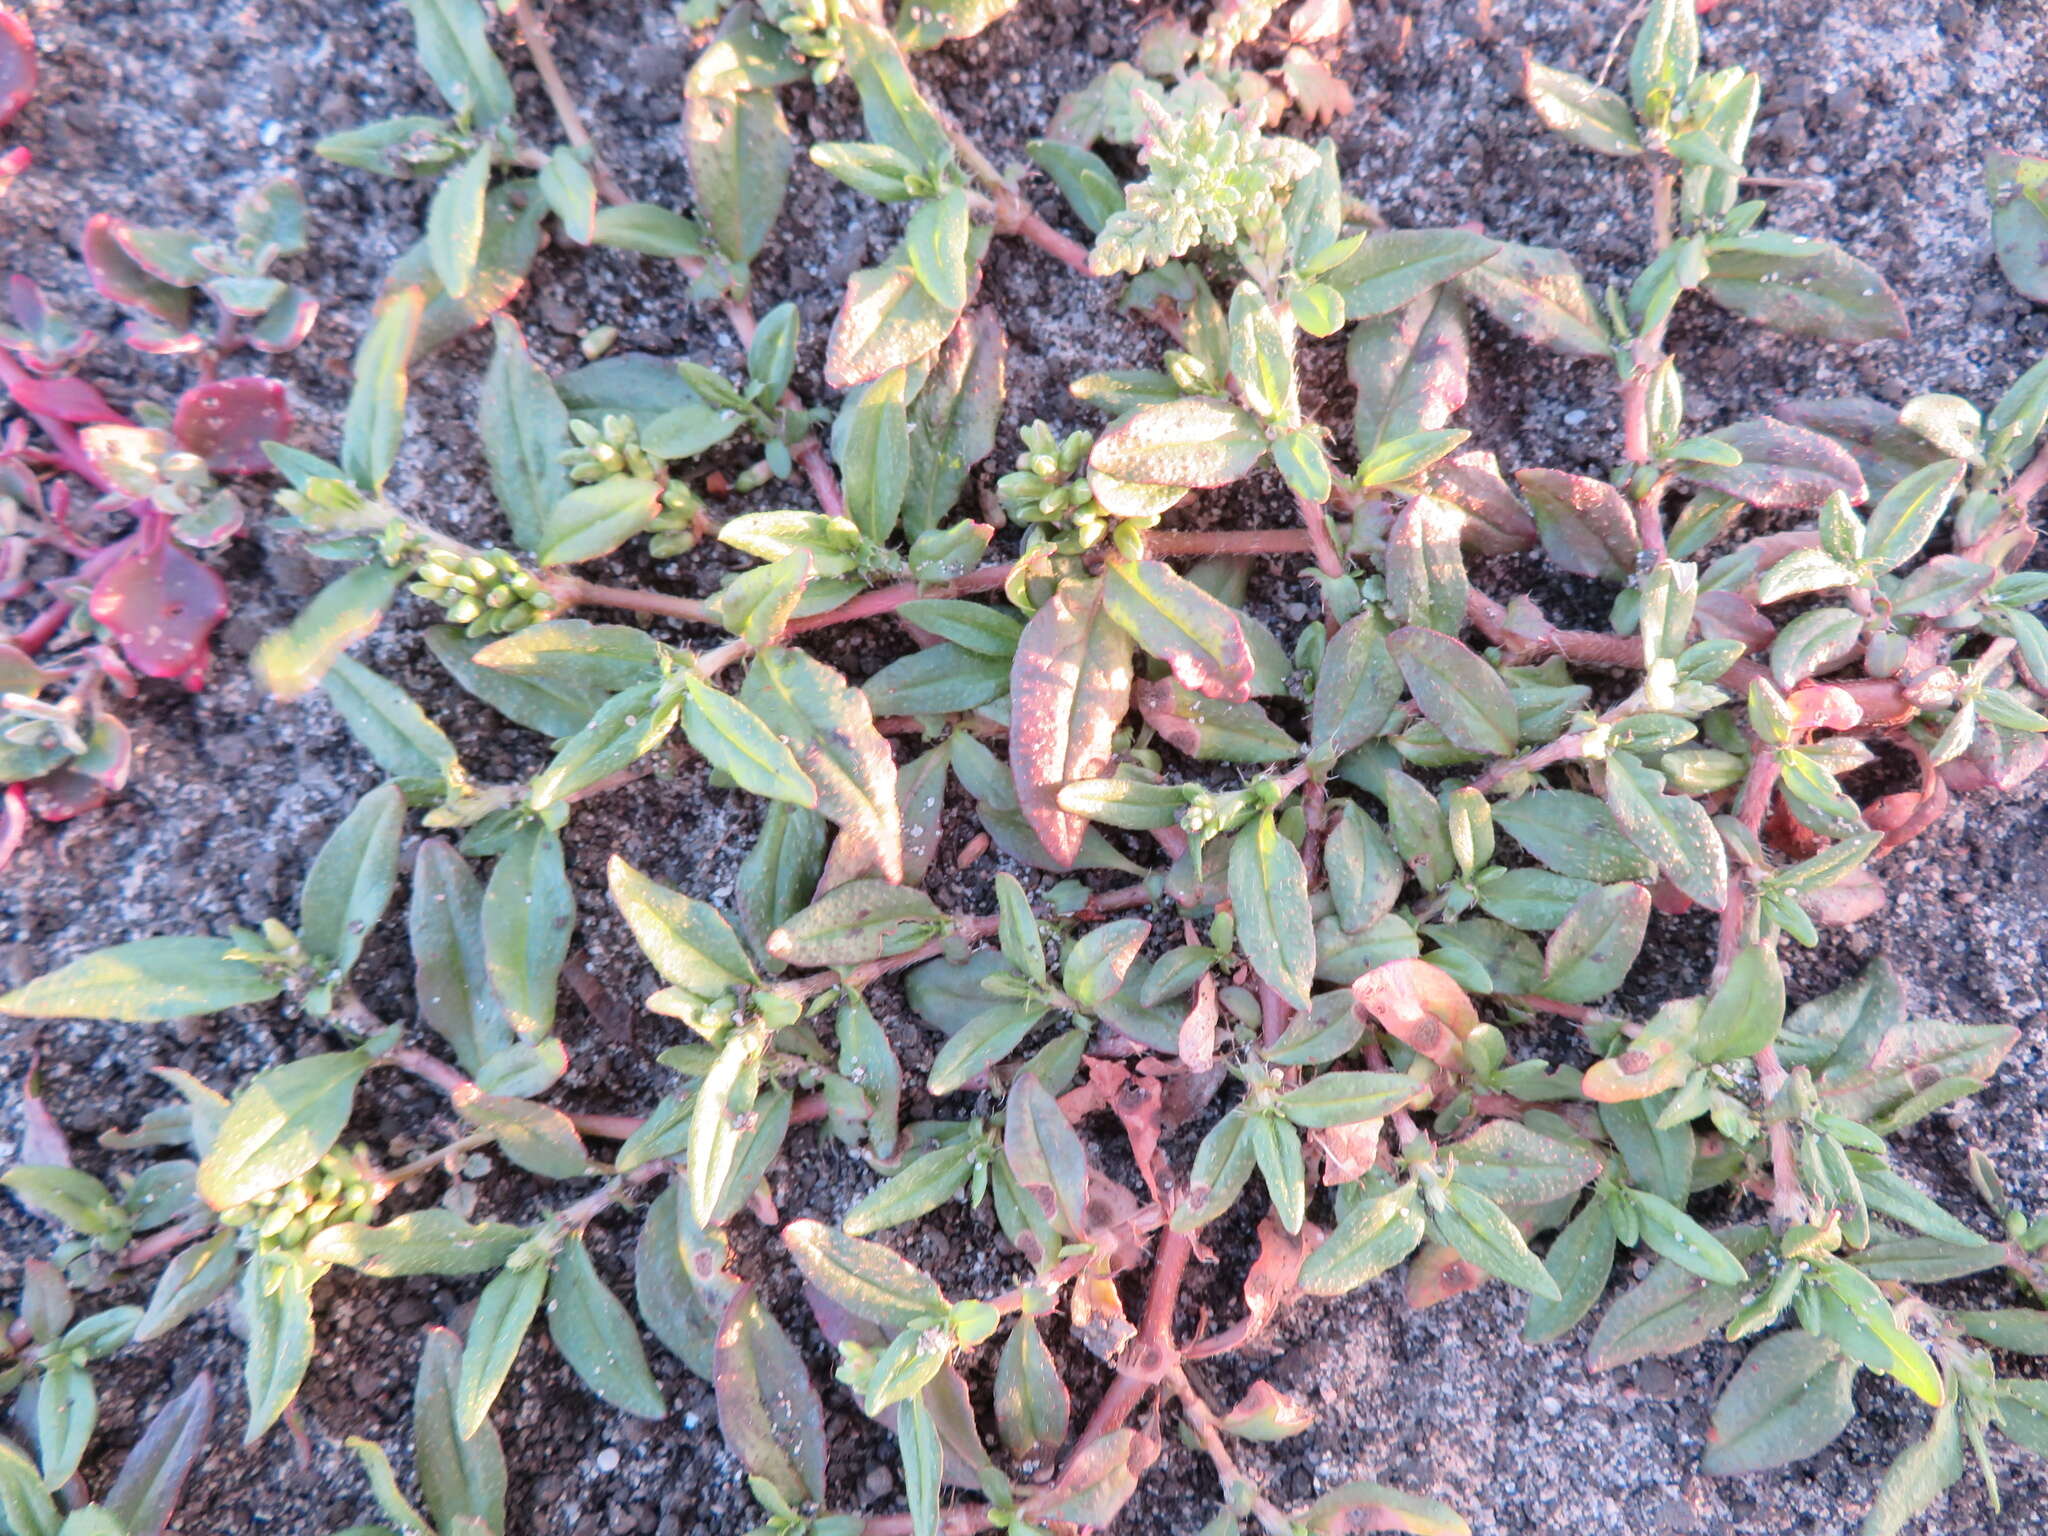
(161, 606)
(227, 421)
(17, 65)
(65, 399)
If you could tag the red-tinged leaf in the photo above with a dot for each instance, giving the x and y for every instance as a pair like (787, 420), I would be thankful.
(1411, 370)
(1586, 524)
(145, 1493)
(886, 321)
(1438, 1274)
(1070, 687)
(161, 605)
(827, 723)
(1803, 287)
(17, 65)
(1419, 1005)
(71, 400)
(227, 421)
(13, 822)
(1538, 294)
(1782, 466)
(1495, 521)
(1459, 693)
(122, 280)
(1267, 1285)
(1198, 637)
(1096, 1484)
(767, 1407)
(2018, 188)
(1195, 441)
(1360, 1507)
(1266, 1413)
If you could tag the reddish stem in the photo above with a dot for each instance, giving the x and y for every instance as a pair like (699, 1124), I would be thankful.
(1152, 1352)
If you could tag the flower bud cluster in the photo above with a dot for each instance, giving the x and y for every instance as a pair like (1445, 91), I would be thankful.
(491, 593)
(338, 1188)
(1049, 487)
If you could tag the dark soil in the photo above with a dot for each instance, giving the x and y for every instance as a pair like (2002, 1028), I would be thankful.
(1881, 108)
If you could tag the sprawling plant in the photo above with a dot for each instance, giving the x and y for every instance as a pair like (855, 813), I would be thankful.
(1271, 915)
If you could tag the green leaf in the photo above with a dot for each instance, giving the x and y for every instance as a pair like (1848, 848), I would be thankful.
(145, 1491)
(374, 424)
(1586, 525)
(937, 243)
(1046, 1156)
(680, 1282)
(430, 1241)
(1684, 1241)
(1782, 466)
(1580, 1260)
(1816, 641)
(1665, 58)
(1372, 1239)
(781, 870)
(522, 426)
(1670, 1310)
(147, 981)
(1483, 1235)
(1031, 1400)
(277, 1306)
(2015, 184)
(735, 740)
(1269, 893)
(828, 725)
(651, 231)
(855, 923)
(1425, 568)
(767, 1408)
(892, 109)
(987, 1038)
(528, 914)
(1197, 441)
(393, 729)
(1458, 692)
(1373, 1507)
(1357, 688)
(1508, 1162)
(1593, 948)
(566, 183)
(2022, 1330)
(460, 1475)
(1905, 518)
(595, 1333)
(593, 520)
(1538, 294)
(1084, 178)
(497, 1328)
(740, 151)
(279, 1125)
(1276, 1148)
(350, 884)
(1746, 1010)
(1920, 1475)
(888, 319)
(66, 1411)
(953, 419)
(1673, 831)
(1790, 1399)
(1200, 640)
(556, 706)
(871, 441)
(1410, 368)
(925, 1184)
(451, 978)
(455, 50)
(536, 1137)
(290, 661)
(1347, 1098)
(24, 1506)
(1589, 115)
(455, 222)
(688, 942)
(1803, 287)
(1393, 269)
(865, 1278)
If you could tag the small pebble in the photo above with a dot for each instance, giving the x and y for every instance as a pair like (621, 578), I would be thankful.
(608, 1459)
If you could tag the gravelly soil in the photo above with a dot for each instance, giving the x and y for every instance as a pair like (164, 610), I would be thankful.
(1879, 108)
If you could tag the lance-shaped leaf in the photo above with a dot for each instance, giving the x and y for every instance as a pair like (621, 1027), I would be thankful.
(455, 222)
(1507, 1161)
(1538, 294)
(953, 419)
(1580, 1260)
(735, 740)
(780, 873)
(1483, 1235)
(1459, 693)
(1909, 1070)
(1905, 518)
(1589, 115)
(1392, 269)
(145, 1492)
(1094, 1486)
(1356, 689)
(865, 1278)
(277, 1306)
(1046, 1156)
(855, 923)
(279, 1125)
(455, 50)
(740, 151)
(1790, 1399)
(375, 422)
(680, 1282)
(1586, 525)
(430, 1241)
(871, 442)
(292, 660)
(529, 912)
(350, 882)
(1420, 1005)
(888, 319)
(1670, 1310)
(595, 1333)
(1200, 639)
(1197, 441)
(1347, 1098)
(1592, 949)
(1782, 466)
(767, 1408)
(451, 978)
(1673, 831)
(687, 941)
(1679, 1238)
(828, 725)
(2017, 185)
(1803, 287)
(461, 1476)
(982, 1041)
(497, 1328)
(1425, 567)
(1410, 369)
(1360, 1506)
(522, 427)
(1573, 834)
(1269, 893)
(1031, 1400)
(392, 728)
(1920, 1475)
(145, 982)
(1746, 1010)
(1376, 1236)
(1070, 687)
